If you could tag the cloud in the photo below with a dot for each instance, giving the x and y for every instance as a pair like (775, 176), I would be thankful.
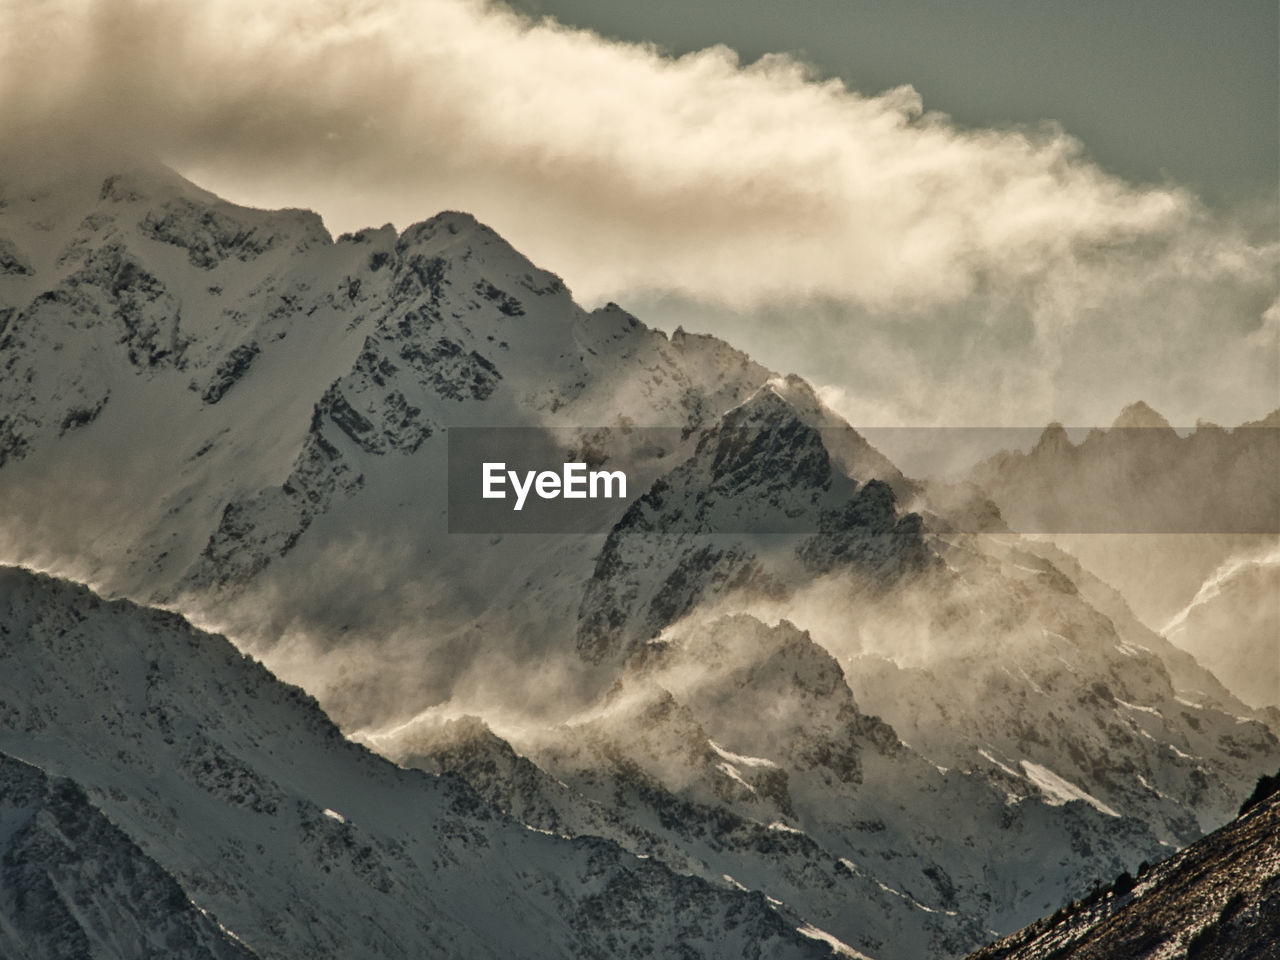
(747, 187)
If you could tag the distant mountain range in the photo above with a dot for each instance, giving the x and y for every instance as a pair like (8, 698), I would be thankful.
(1186, 527)
(1141, 476)
(788, 699)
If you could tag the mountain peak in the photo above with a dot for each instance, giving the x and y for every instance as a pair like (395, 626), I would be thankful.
(1053, 438)
(445, 229)
(1140, 415)
(791, 397)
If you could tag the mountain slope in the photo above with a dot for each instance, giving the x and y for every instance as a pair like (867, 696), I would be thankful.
(265, 409)
(304, 844)
(1168, 520)
(73, 884)
(919, 620)
(770, 494)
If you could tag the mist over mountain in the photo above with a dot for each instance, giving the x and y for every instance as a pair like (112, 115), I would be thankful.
(1185, 526)
(1142, 476)
(196, 806)
(1232, 626)
(786, 688)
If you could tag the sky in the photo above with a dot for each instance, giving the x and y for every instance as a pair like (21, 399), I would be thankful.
(979, 214)
(1156, 89)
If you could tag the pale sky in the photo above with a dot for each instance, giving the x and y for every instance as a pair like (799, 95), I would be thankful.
(979, 214)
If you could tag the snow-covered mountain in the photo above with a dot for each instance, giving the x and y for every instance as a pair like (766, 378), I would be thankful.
(269, 411)
(163, 795)
(1068, 749)
(779, 663)
(740, 745)
(734, 517)
(1197, 500)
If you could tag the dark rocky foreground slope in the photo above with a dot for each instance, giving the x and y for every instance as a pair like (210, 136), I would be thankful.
(1217, 900)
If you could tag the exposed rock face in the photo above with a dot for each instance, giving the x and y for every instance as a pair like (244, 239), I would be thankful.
(73, 884)
(761, 499)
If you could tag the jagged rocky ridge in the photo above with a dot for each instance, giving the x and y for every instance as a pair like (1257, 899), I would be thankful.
(720, 520)
(738, 748)
(1140, 475)
(175, 799)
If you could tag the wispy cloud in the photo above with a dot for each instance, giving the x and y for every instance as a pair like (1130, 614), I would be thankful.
(634, 174)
